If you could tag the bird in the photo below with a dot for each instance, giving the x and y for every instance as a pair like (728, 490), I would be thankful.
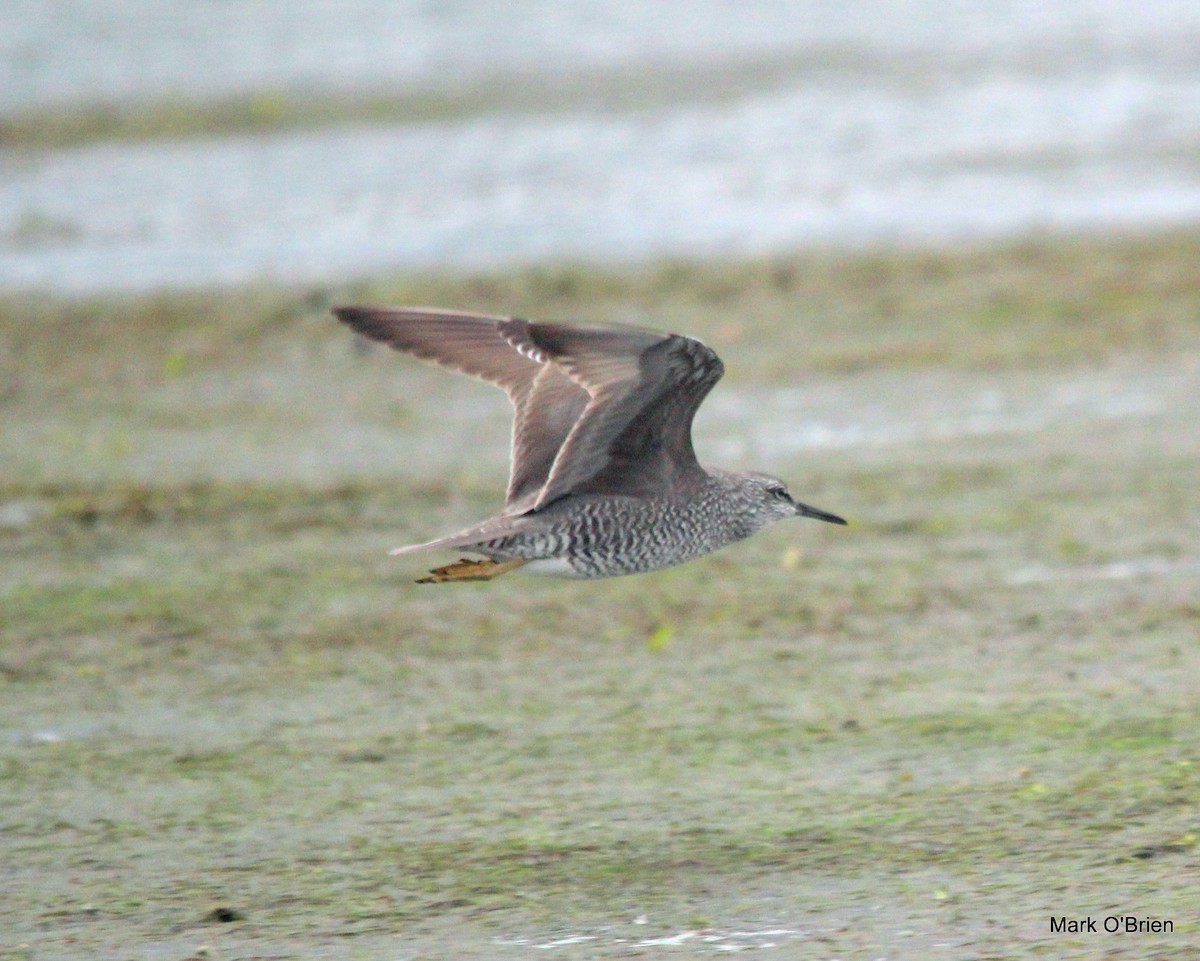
(604, 480)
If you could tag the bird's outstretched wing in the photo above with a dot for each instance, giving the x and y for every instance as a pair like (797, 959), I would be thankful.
(546, 402)
(598, 409)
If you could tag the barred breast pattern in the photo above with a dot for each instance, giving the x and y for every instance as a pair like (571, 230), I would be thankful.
(610, 536)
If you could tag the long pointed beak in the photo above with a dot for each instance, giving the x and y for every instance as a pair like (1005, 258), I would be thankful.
(803, 510)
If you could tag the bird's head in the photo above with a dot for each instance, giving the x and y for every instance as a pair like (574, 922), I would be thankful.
(775, 501)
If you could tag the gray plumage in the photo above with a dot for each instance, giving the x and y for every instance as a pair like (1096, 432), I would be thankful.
(604, 479)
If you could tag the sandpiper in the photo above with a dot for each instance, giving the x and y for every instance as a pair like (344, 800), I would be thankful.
(604, 479)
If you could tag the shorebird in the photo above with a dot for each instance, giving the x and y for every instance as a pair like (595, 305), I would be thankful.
(604, 480)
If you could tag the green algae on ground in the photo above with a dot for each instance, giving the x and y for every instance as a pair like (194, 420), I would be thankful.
(230, 720)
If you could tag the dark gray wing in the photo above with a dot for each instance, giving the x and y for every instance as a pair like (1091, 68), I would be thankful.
(546, 402)
(644, 387)
(597, 408)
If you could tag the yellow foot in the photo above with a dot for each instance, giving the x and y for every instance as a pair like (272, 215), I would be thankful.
(469, 570)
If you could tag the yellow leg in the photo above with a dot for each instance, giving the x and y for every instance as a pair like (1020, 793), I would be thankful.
(469, 570)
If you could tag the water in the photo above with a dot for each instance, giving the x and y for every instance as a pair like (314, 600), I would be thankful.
(699, 941)
(876, 122)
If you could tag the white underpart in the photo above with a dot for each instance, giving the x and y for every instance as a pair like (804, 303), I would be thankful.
(550, 567)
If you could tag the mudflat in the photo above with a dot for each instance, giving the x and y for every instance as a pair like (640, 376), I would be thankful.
(965, 726)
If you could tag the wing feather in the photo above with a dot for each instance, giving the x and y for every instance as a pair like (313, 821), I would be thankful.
(596, 408)
(644, 388)
(546, 401)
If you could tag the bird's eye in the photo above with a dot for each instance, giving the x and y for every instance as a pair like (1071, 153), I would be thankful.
(780, 493)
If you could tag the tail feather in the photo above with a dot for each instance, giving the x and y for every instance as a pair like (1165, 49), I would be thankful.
(481, 533)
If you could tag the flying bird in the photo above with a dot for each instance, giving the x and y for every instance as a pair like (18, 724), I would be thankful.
(604, 480)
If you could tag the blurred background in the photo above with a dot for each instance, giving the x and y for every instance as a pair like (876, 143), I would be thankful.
(150, 143)
(948, 250)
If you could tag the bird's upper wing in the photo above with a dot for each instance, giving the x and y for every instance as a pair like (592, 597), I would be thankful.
(644, 388)
(545, 400)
